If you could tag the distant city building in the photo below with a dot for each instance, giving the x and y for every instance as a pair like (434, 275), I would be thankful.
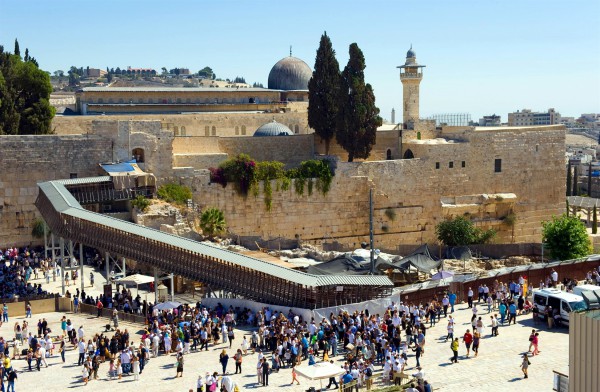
(140, 70)
(490, 121)
(94, 72)
(526, 118)
(590, 119)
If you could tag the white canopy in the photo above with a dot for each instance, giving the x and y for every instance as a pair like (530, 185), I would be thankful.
(136, 279)
(319, 371)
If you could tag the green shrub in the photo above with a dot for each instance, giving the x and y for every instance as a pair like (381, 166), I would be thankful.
(37, 228)
(141, 203)
(212, 221)
(174, 193)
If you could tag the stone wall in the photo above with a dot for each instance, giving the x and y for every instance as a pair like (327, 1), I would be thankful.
(412, 196)
(28, 160)
(194, 124)
(386, 140)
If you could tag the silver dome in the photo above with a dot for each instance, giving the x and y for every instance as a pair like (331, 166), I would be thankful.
(273, 129)
(289, 73)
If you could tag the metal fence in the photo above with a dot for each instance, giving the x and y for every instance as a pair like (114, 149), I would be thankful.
(107, 313)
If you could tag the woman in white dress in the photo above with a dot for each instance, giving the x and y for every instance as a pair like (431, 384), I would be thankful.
(245, 346)
(136, 368)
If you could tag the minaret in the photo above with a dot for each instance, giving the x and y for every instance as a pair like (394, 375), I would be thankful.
(411, 74)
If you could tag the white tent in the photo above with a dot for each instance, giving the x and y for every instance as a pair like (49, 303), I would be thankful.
(320, 371)
(136, 279)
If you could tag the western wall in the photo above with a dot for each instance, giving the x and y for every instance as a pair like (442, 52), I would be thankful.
(452, 173)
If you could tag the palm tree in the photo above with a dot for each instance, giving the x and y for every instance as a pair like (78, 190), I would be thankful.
(212, 222)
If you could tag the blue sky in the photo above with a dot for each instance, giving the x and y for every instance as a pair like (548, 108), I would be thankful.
(482, 57)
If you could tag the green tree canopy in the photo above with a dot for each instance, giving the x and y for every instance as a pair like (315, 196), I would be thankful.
(358, 117)
(206, 72)
(460, 231)
(24, 96)
(323, 92)
(566, 237)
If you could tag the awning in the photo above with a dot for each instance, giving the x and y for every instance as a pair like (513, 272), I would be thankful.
(136, 279)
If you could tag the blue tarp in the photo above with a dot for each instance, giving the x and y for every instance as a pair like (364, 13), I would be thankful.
(119, 167)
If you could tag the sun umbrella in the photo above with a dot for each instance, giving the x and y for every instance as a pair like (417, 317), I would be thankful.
(167, 305)
(442, 275)
(319, 371)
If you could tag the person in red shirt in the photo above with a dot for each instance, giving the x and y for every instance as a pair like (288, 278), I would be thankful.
(468, 339)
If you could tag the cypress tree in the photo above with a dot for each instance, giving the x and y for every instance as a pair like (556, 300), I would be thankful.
(575, 191)
(595, 222)
(569, 179)
(358, 118)
(17, 50)
(323, 92)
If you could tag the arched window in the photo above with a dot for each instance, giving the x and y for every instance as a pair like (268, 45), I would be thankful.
(418, 135)
(207, 131)
(296, 129)
(408, 154)
(388, 155)
(182, 131)
(237, 130)
(138, 155)
(176, 131)
(214, 131)
(243, 129)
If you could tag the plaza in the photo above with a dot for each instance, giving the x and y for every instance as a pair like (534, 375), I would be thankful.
(497, 368)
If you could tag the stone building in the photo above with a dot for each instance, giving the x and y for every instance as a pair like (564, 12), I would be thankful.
(288, 82)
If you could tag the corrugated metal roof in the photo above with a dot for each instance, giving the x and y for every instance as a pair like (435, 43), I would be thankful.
(66, 204)
(176, 89)
(85, 180)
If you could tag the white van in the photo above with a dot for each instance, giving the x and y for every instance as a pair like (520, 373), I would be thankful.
(585, 287)
(566, 302)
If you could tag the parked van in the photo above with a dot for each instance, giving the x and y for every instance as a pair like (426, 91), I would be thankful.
(557, 299)
(585, 287)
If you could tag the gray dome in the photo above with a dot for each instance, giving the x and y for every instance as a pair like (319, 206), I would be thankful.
(290, 73)
(411, 53)
(273, 129)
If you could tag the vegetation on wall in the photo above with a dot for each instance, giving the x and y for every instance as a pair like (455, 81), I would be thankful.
(460, 231)
(174, 193)
(247, 176)
(37, 228)
(141, 203)
(212, 222)
(566, 237)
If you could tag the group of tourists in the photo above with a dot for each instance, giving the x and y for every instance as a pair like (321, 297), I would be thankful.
(17, 268)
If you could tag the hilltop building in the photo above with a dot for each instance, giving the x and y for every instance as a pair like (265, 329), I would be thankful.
(527, 118)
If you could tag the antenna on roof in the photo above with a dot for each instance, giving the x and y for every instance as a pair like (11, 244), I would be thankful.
(290, 50)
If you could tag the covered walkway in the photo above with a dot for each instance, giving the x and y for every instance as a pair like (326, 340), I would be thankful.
(245, 276)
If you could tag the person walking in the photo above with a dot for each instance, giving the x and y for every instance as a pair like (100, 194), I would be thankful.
(494, 325)
(230, 336)
(179, 365)
(512, 313)
(238, 361)
(136, 368)
(525, 365)
(265, 372)
(468, 339)
(470, 297)
(224, 358)
(476, 340)
(295, 377)
(531, 336)
(535, 341)
(454, 346)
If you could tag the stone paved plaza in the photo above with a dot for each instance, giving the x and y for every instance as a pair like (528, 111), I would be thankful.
(496, 369)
